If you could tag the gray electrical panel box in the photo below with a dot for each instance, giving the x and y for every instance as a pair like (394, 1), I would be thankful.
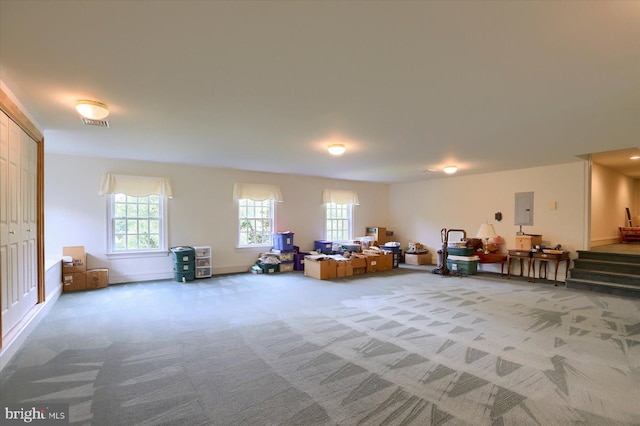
(524, 209)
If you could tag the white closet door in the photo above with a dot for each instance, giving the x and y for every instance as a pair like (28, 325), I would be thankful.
(28, 201)
(18, 233)
(5, 273)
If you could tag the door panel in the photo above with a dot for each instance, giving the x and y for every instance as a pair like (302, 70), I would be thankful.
(18, 232)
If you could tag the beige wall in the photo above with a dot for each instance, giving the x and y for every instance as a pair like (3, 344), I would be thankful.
(202, 211)
(611, 193)
(419, 210)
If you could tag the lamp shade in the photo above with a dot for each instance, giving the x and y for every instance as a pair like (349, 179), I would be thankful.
(92, 109)
(486, 231)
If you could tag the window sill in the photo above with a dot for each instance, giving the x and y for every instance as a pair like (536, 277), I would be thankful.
(137, 254)
(255, 247)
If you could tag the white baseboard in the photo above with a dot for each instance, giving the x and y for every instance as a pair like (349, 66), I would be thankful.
(231, 270)
(604, 241)
(120, 279)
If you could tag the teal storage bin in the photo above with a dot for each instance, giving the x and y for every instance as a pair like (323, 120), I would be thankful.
(183, 254)
(268, 268)
(460, 251)
(181, 276)
(466, 267)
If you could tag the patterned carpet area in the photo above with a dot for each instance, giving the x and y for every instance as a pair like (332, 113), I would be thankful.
(403, 347)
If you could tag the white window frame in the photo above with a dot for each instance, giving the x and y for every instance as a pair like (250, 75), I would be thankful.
(163, 228)
(330, 234)
(241, 203)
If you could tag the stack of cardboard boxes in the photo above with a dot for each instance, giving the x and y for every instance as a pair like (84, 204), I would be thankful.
(326, 267)
(75, 275)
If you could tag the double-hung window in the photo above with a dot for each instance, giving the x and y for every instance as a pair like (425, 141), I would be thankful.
(136, 214)
(255, 220)
(137, 223)
(339, 220)
(256, 213)
(338, 206)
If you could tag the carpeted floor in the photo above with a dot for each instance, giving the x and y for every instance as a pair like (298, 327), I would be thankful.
(622, 248)
(403, 347)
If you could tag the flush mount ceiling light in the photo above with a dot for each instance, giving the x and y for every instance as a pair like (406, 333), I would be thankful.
(92, 109)
(337, 149)
(450, 169)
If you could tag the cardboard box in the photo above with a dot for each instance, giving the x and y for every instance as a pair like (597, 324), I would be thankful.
(344, 269)
(385, 261)
(526, 242)
(320, 267)
(359, 271)
(74, 281)
(78, 262)
(378, 233)
(372, 263)
(358, 261)
(97, 278)
(349, 270)
(417, 258)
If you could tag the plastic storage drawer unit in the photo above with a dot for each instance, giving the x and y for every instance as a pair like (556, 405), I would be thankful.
(203, 261)
(184, 263)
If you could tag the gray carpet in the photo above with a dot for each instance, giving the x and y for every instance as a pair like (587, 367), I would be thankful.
(403, 347)
(622, 248)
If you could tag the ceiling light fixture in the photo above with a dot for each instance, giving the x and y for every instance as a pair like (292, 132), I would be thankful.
(337, 149)
(92, 109)
(450, 169)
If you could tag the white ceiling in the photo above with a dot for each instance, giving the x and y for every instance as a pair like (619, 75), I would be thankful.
(266, 85)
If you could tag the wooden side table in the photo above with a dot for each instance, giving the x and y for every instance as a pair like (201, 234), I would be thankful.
(493, 258)
(521, 255)
(544, 258)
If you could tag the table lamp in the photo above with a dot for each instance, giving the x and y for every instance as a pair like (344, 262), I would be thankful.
(485, 232)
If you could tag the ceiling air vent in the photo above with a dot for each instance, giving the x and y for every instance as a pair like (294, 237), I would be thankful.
(90, 122)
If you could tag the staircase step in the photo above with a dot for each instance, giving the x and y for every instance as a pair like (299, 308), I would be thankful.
(604, 272)
(611, 257)
(605, 277)
(607, 266)
(607, 288)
